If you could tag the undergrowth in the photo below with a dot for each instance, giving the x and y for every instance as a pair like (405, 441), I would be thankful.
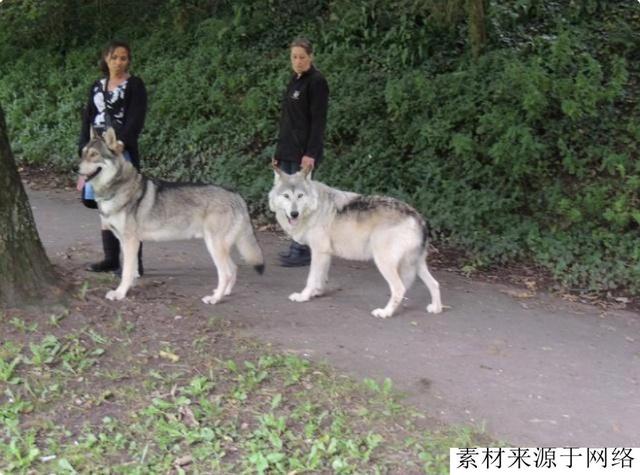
(526, 154)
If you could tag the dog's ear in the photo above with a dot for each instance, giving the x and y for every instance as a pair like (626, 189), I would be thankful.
(276, 169)
(92, 133)
(119, 147)
(306, 172)
(110, 139)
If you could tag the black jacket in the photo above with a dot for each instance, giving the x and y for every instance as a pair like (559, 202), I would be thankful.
(303, 117)
(135, 110)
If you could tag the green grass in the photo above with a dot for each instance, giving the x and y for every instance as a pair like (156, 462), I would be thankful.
(126, 388)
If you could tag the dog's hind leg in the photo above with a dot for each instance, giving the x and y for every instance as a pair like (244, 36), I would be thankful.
(232, 270)
(408, 270)
(432, 284)
(220, 254)
(130, 248)
(389, 270)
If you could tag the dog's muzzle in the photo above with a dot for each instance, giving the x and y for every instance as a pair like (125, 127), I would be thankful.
(293, 217)
(93, 175)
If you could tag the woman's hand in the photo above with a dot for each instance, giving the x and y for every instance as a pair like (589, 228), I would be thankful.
(307, 162)
(80, 183)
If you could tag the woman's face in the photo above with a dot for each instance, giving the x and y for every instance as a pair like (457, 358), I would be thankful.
(300, 60)
(117, 61)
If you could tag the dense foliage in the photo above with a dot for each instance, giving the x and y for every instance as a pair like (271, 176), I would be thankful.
(527, 152)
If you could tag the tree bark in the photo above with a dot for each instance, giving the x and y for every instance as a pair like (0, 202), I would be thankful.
(477, 26)
(25, 271)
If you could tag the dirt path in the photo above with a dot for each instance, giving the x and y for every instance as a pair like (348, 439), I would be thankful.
(533, 372)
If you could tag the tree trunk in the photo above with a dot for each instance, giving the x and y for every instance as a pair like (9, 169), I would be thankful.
(25, 270)
(477, 26)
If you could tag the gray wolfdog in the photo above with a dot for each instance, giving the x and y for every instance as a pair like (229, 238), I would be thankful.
(138, 209)
(348, 225)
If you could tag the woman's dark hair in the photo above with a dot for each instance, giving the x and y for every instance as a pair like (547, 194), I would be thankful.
(303, 43)
(111, 46)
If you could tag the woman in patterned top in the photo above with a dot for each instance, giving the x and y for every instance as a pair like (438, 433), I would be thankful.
(118, 100)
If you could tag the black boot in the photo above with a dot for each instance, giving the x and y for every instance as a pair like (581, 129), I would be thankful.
(111, 247)
(300, 256)
(292, 249)
(140, 268)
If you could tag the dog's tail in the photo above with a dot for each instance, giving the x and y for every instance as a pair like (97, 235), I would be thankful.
(249, 248)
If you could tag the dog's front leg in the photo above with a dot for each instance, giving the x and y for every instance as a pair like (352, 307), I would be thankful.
(320, 262)
(130, 248)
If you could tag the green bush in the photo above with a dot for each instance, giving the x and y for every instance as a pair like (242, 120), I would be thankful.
(525, 154)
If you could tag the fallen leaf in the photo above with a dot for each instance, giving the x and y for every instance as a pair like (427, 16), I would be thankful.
(182, 461)
(519, 294)
(187, 417)
(169, 356)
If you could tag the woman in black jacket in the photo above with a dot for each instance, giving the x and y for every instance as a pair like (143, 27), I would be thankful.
(118, 100)
(302, 123)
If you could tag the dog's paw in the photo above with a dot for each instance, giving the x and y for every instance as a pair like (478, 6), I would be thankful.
(115, 295)
(317, 292)
(381, 313)
(299, 297)
(433, 308)
(211, 299)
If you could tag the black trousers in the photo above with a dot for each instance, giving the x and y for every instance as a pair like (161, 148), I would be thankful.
(295, 248)
(289, 167)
